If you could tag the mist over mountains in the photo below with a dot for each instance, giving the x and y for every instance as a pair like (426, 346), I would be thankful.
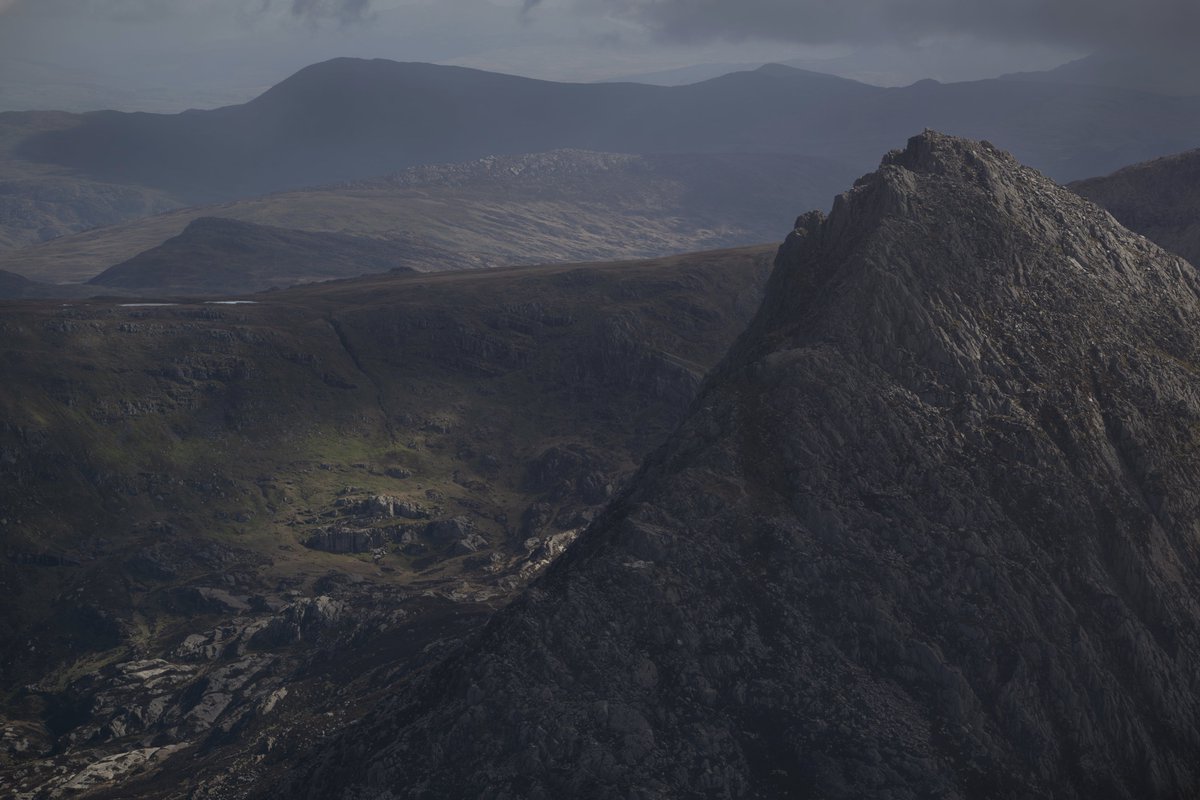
(717, 158)
(349, 118)
(1169, 72)
(497, 211)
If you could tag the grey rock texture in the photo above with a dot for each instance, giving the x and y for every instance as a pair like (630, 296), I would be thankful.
(929, 531)
(1159, 199)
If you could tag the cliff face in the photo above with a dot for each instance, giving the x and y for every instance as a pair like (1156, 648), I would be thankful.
(929, 531)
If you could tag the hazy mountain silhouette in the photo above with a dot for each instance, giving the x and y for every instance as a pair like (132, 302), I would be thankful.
(348, 118)
(557, 206)
(13, 285)
(1169, 72)
(225, 256)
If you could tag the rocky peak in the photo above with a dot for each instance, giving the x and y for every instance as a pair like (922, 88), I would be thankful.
(930, 531)
(936, 153)
(953, 247)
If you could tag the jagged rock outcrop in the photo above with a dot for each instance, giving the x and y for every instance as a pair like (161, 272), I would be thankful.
(929, 531)
(345, 540)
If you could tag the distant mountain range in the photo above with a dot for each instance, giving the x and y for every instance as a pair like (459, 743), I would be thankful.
(349, 119)
(1168, 72)
(547, 207)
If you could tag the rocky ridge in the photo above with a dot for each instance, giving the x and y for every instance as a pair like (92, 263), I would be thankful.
(929, 531)
(1159, 199)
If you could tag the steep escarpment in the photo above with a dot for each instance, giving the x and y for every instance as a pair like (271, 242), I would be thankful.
(929, 531)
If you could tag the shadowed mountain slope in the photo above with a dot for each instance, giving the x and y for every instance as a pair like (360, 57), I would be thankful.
(224, 256)
(226, 526)
(1159, 199)
(929, 531)
(39, 202)
(13, 285)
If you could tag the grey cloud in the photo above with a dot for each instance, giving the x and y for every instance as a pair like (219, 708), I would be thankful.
(1100, 23)
(115, 9)
(342, 10)
(312, 10)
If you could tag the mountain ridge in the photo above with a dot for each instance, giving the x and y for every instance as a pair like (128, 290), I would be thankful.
(1169, 72)
(1159, 199)
(845, 574)
(350, 119)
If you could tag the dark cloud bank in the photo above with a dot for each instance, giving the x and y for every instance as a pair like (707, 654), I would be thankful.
(344, 10)
(1089, 23)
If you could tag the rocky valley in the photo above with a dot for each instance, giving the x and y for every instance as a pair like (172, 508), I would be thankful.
(228, 526)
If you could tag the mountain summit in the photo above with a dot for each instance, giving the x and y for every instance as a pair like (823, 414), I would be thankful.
(929, 531)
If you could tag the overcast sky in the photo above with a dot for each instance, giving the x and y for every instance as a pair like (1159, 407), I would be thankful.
(175, 54)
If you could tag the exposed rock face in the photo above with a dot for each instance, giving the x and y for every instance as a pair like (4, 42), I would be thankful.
(565, 471)
(342, 540)
(930, 531)
(1159, 199)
